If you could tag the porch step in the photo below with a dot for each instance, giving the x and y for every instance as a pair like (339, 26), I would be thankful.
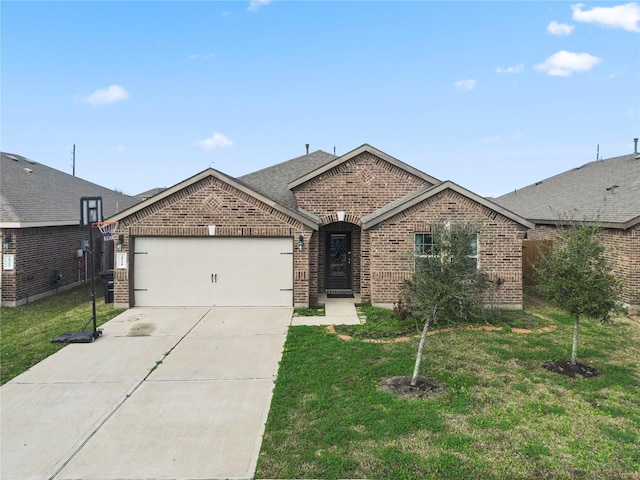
(339, 293)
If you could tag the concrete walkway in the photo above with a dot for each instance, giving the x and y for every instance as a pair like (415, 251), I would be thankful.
(337, 311)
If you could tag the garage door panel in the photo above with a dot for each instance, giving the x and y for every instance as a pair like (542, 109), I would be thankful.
(206, 271)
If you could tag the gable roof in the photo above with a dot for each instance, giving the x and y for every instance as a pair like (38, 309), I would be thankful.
(34, 195)
(272, 181)
(304, 217)
(607, 191)
(418, 196)
(353, 153)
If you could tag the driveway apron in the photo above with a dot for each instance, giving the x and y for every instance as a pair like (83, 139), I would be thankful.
(163, 394)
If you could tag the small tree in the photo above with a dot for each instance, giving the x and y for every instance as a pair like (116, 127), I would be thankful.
(576, 276)
(447, 284)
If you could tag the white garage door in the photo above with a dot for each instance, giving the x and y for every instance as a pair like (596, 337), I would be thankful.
(205, 271)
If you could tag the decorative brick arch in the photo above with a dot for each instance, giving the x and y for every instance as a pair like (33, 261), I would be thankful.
(333, 218)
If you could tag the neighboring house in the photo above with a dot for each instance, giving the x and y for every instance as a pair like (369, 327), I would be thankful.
(39, 228)
(312, 226)
(602, 191)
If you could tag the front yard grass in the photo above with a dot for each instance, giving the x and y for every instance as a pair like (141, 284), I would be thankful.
(27, 330)
(497, 414)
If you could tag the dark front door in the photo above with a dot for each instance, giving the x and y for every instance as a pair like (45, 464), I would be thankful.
(338, 261)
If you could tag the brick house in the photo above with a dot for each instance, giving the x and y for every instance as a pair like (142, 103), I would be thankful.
(603, 191)
(39, 228)
(315, 225)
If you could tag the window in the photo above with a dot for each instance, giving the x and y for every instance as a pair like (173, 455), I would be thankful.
(424, 246)
(473, 250)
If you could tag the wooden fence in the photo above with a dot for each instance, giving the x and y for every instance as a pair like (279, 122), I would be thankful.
(531, 250)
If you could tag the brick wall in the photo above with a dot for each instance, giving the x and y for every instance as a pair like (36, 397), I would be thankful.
(389, 247)
(190, 211)
(39, 251)
(366, 183)
(357, 187)
(623, 250)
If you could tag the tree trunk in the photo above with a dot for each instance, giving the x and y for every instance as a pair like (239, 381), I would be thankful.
(423, 337)
(574, 349)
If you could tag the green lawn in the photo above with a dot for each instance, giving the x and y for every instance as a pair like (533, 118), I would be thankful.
(27, 331)
(497, 413)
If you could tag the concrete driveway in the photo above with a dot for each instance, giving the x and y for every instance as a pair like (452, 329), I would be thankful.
(163, 394)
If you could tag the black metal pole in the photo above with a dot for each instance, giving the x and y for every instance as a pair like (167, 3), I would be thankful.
(93, 281)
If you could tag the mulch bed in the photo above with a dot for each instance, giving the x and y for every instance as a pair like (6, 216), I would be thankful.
(564, 367)
(401, 387)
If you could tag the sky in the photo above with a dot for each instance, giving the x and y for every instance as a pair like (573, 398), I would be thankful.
(493, 96)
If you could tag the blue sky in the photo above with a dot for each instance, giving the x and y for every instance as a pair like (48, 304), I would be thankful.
(491, 95)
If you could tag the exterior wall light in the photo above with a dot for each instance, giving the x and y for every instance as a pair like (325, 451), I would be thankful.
(300, 243)
(120, 241)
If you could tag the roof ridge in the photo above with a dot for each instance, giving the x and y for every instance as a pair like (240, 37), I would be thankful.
(285, 162)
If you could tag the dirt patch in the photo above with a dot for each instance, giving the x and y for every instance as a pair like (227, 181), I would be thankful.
(564, 367)
(401, 387)
(141, 330)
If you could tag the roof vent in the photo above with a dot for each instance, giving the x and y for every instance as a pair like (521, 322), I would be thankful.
(612, 189)
(28, 170)
(307, 145)
(15, 159)
(538, 183)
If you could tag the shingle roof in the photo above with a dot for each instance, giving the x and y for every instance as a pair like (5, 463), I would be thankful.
(604, 190)
(304, 217)
(149, 193)
(32, 194)
(272, 181)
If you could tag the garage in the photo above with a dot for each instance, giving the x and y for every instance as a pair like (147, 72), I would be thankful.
(206, 271)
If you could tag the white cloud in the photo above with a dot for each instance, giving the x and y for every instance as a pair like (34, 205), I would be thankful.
(104, 96)
(563, 63)
(624, 16)
(204, 56)
(613, 75)
(555, 28)
(117, 150)
(510, 70)
(217, 140)
(465, 85)
(494, 139)
(254, 5)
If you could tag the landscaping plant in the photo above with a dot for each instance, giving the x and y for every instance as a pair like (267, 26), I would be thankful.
(576, 276)
(446, 284)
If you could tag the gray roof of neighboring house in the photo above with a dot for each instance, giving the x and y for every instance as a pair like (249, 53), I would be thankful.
(607, 191)
(272, 181)
(34, 195)
(150, 193)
